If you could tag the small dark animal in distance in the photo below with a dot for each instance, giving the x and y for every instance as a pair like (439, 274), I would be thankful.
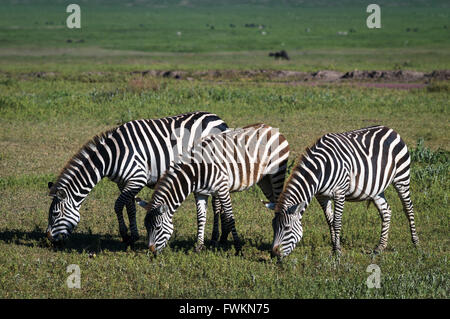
(280, 55)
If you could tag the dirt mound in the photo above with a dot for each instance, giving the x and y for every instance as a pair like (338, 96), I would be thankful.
(327, 75)
(403, 76)
(441, 75)
(399, 75)
(279, 76)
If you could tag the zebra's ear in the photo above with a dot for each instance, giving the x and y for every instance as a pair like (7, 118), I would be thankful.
(141, 202)
(269, 205)
(51, 192)
(296, 209)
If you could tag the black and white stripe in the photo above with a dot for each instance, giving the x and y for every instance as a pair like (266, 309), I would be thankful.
(133, 155)
(219, 164)
(353, 166)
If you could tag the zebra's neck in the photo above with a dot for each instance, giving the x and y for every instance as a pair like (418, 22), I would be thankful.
(175, 186)
(83, 172)
(303, 183)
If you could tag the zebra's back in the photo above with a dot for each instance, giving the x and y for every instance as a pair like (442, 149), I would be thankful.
(371, 158)
(153, 144)
(244, 155)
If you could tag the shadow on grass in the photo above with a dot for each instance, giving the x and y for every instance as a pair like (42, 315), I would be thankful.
(188, 245)
(79, 242)
(96, 243)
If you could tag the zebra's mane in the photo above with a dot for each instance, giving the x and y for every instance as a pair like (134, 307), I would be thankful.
(160, 182)
(177, 165)
(284, 195)
(80, 156)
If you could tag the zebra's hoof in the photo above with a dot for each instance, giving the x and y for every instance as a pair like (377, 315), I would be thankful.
(134, 238)
(337, 253)
(377, 251)
(238, 248)
(199, 248)
(214, 244)
(126, 239)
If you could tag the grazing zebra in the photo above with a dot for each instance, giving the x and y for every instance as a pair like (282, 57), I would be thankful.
(132, 155)
(217, 165)
(354, 166)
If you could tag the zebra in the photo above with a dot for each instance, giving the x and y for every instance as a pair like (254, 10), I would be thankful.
(133, 155)
(218, 165)
(354, 166)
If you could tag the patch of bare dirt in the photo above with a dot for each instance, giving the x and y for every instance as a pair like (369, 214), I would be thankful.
(396, 79)
(400, 76)
(399, 86)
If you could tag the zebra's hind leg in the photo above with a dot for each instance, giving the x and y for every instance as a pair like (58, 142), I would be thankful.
(385, 214)
(228, 222)
(201, 202)
(403, 192)
(217, 209)
(339, 201)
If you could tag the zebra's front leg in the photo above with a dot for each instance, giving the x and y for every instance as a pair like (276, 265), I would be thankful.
(123, 230)
(339, 201)
(131, 211)
(228, 222)
(327, 208)
(202, 206)
(126, 198)
(385, 214)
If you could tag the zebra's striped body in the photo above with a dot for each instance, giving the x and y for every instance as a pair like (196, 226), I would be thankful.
(134, 155)
(219, 164)
(354, 166)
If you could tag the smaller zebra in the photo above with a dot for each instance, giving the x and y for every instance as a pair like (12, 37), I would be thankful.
(351, 166)
(218, 165)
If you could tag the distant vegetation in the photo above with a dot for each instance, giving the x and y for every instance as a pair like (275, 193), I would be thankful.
(205, 26)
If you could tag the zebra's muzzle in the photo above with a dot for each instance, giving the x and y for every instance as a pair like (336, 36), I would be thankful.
(152, 249)
(49, 236)
(276, 252)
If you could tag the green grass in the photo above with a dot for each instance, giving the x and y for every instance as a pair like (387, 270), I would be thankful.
(139, 34)
(205, 25)
(45, 122)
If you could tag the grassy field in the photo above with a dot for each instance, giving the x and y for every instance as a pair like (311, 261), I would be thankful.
(44, 121)
(203, 34)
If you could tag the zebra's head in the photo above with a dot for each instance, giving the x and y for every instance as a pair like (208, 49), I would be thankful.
(63, 215)
(287, 229)
(159, 225)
